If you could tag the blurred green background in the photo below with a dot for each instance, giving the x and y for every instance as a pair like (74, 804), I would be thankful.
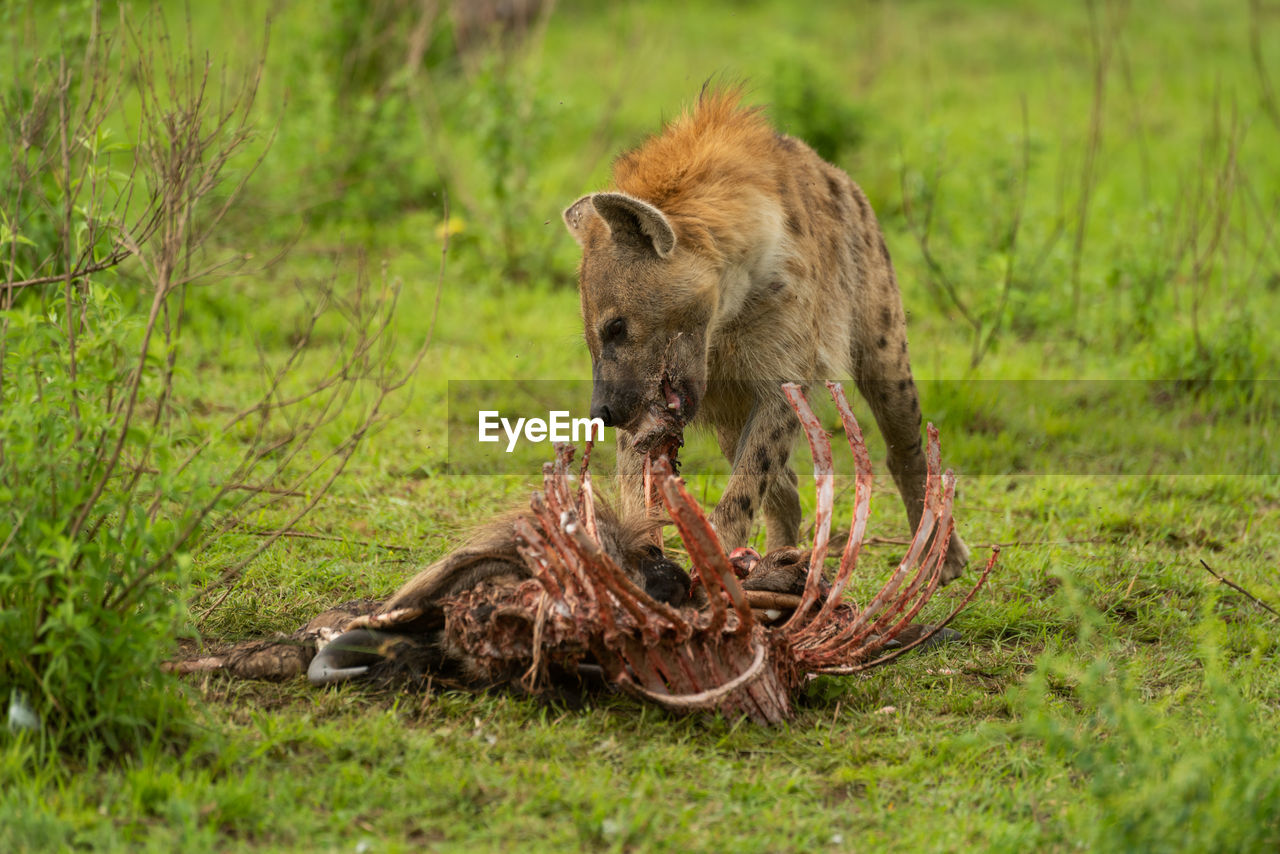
(1082, 203)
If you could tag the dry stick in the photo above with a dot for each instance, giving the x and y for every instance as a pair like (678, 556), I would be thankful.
(232, 572)
(981, 346)
(176, 222)
(112, 260)
(340, 389)
(1137, 124)
(312, 535)
(126, 418)
(924, 638)
(238, 487)
(178, 243)
(1269, 105)
(906, 541)
(1266, 244)
(1101, 56)
(922, 232)
(1236, 587)
(1209, 209)
(339, 374)
(69, 205)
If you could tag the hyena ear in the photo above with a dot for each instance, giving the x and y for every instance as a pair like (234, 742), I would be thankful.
(631, 220)
(576, 217)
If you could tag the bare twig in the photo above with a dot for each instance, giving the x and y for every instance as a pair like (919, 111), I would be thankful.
(906, 541)
(313, 535)
(1267, 92)
(1102, 42)
(985, 322)
(923, 229)
(982, 344)
(1222, 579)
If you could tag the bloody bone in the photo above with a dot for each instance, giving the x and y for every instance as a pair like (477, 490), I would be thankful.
(721, 657)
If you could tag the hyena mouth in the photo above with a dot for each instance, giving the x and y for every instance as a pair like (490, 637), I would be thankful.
(670, 396)
(657, 429)
(660, 429)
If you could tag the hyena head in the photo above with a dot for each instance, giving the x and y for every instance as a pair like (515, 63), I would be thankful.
(646, 307)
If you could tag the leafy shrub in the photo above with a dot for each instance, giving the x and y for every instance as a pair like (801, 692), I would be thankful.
(513, 123)
(1194, 773)
(1222, 359)
(807, 104)
(93, 559)
(109, 477)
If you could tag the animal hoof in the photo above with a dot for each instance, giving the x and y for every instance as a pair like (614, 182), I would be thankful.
(348, 656)
(911, 634)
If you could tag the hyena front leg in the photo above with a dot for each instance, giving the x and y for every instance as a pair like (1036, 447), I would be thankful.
(630, 477)
(762, 476)
(883, 375)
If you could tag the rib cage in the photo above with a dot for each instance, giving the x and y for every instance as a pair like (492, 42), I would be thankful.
(720, 657)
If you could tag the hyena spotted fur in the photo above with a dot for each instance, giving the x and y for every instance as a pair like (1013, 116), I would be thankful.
(726, 259)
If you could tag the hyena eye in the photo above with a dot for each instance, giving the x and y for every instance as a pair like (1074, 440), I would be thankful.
(614, 330)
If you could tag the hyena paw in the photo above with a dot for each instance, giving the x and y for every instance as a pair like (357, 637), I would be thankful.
(957, 559)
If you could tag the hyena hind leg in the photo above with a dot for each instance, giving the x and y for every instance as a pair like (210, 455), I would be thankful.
(895, 403)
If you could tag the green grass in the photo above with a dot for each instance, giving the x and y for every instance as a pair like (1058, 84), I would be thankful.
(1106, 687)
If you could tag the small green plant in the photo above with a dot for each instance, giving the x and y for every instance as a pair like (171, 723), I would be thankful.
(983, 272)
(1221, 360)
(1195, 771)
(93, 559)
(513, 122)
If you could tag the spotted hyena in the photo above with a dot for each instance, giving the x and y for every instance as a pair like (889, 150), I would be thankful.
(726, 259)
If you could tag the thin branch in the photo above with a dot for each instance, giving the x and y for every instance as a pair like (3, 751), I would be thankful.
(1222, 579)
(1268, 94)
(922, 230)
(1101, 45)
(313, 535)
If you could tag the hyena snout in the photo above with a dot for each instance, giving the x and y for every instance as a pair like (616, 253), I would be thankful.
(615, 402)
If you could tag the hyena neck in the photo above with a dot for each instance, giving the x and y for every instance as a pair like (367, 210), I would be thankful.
(753, 261)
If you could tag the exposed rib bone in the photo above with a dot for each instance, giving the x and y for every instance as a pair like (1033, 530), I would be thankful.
(705, 551)
(861, 511)
(708, 698)
(824, 478)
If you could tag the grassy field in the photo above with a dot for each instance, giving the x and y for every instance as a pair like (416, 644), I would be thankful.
(1091, 317)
